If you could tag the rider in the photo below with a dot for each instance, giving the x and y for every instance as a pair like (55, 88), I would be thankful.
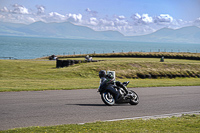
(119, 84)
(108, 80)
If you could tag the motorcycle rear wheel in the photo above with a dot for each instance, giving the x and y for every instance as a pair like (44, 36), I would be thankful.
(108, 98)
(134, 100)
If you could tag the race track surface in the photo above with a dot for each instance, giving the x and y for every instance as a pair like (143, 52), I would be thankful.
(46, 108)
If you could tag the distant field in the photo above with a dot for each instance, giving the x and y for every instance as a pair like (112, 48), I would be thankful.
(20, 75)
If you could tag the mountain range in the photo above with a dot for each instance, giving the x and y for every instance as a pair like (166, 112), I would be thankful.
(68, 30)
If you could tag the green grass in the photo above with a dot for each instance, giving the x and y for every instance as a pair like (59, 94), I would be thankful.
(28, 75)
(82, 83)
(183, 124)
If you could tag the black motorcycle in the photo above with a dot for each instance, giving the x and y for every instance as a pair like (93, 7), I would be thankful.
(110, 99)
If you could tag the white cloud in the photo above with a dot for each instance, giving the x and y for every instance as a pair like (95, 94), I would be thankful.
(19, 9)
(91, 12)
(88, 10)
(5, 9)
(2, 17)
(55, 17)
(142, 19)
(121, 17)
(93, 21)
(146, 19)
(74, 17)
(119, 22)
(30, 19)
(197, 22)
(163, 18)
(104, 22)
(136, 16)
(40, 9)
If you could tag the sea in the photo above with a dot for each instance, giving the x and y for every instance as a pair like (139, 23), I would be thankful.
(12, 47)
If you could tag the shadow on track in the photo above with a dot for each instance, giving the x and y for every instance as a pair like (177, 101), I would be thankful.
(98, 104)
(91, 104)
(87, 104)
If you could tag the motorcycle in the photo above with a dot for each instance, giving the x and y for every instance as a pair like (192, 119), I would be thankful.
(109, 98)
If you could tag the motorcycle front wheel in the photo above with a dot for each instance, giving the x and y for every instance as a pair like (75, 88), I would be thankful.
(135, 99)
(108, 98)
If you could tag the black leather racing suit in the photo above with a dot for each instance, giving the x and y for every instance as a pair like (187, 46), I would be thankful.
(122, 86)
(107, 83)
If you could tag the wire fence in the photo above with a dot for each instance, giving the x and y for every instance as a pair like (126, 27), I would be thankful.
(123, 51)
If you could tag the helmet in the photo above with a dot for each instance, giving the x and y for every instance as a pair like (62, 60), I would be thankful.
(110, 76)
(102, 73)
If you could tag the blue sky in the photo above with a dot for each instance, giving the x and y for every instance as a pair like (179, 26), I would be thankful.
(130, 17)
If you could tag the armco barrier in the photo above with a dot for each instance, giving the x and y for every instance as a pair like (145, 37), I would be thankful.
(66, 63)
(63, 63)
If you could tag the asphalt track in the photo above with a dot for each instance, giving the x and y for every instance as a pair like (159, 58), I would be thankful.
(46, 108)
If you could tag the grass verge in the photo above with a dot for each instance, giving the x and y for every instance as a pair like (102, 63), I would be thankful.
(183, 124)
(93, 83)
(28, 75)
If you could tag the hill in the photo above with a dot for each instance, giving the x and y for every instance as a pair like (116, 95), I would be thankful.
(68, 30)
(183, 35)
(58, 30)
